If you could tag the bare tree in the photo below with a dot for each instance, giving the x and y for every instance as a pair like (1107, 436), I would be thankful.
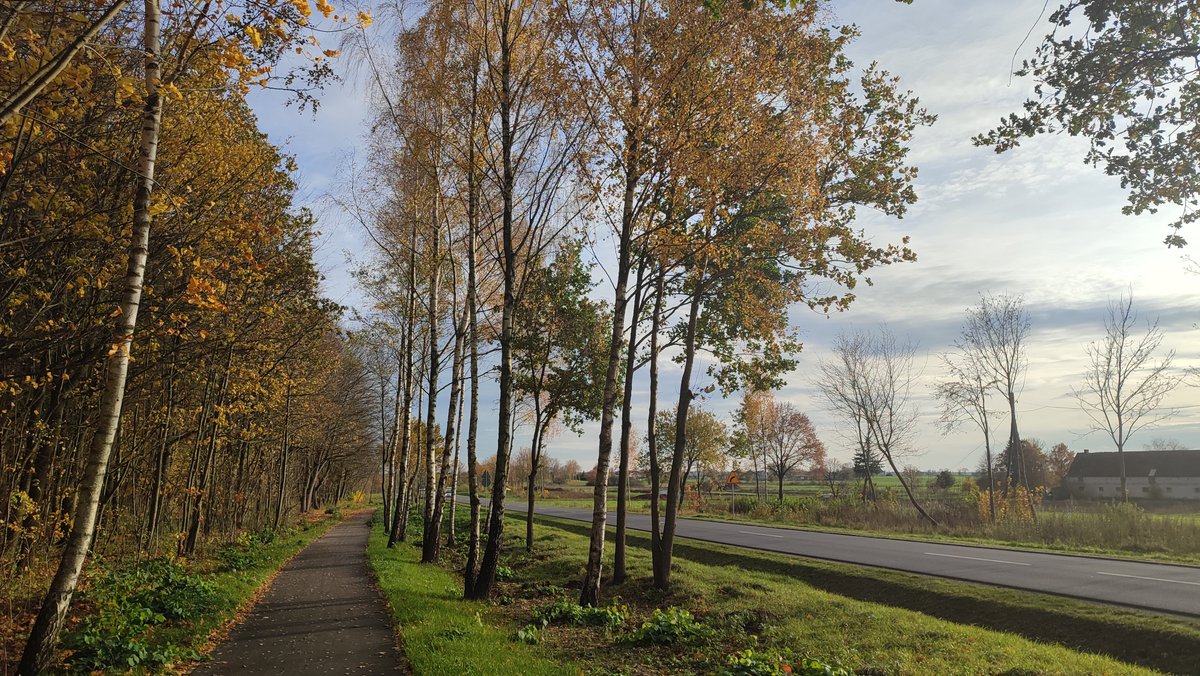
(1125, 384)
(995, 333)
(964, 399)
(869, 384)
(837, 476)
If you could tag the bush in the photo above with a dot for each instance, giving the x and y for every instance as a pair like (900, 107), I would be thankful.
(751, 662)
(237, 557)
(529, 634)
(569, 612)
(129, 604)
(669, 627)
(246, 552)
(504, 574)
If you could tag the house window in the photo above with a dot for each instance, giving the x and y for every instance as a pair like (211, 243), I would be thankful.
(1169, 489)
(1145, 489)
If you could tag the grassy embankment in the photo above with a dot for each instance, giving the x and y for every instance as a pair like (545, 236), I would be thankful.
(780, 607)
(148, 616)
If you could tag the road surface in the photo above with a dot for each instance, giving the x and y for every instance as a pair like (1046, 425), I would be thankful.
(322, 615)
(1150, 586)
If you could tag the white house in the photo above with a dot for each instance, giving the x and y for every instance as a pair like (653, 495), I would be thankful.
(1171, 475)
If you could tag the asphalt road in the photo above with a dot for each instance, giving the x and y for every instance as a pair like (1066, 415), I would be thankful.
(1151, 586)
(322, 615)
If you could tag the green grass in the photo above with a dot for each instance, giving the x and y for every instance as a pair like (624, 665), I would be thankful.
(873, 621)
(442, 633)
(879, 621)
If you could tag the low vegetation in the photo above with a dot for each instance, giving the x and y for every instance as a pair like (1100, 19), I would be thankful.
(148, 615)
(737, 611)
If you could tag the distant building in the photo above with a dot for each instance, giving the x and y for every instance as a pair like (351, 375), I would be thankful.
(1173, 475)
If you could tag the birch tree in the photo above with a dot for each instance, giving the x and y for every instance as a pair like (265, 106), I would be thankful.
(44, 635)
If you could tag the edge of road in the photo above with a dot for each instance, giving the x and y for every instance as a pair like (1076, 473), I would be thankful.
(960, 580)
(900, 538)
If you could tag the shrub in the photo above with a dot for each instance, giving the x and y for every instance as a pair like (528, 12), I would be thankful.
(752, 662)
(504, 574)
(235, 557)
(529, 634)
(670, 627)
(128, 604)
(569, 612)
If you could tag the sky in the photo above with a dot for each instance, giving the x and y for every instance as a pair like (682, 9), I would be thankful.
(1035, 221)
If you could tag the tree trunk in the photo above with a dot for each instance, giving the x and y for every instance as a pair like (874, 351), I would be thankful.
(429, 535)
(1014, 446)
(541, 423)
(619, 572)
(486, 577)
(987, 450)
(162, 463)
(1121, 464)
(469, 571)
(283, 456)
(651, 422)
(590, 591)
(433, 540)
(39, 649)
(662, 577)
(908, 491)
(206, 469)
(403, 490)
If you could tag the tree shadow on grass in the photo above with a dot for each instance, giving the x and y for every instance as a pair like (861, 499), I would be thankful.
(1153, 647)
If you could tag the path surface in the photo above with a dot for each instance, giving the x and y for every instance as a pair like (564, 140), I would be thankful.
(1150, 586)
(322, 615)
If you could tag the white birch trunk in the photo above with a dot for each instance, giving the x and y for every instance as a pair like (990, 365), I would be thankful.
(40, 648)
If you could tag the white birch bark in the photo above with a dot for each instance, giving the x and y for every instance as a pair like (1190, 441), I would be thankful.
(42, 639)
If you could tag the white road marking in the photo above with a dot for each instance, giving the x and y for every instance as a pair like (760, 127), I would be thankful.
(1155, 579)
(766, 535)
(976, 558)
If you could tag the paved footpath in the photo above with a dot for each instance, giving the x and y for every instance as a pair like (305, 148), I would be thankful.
(322, 615)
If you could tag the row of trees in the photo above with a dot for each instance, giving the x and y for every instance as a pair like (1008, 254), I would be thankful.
(869, 384)
(720, 153)
(169, 373)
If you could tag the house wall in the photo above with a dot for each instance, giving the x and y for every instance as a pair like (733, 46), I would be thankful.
(1172, 488)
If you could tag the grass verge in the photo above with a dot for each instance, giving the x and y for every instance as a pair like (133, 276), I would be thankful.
(1016, 630)
(759, 608)
(442, 633)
